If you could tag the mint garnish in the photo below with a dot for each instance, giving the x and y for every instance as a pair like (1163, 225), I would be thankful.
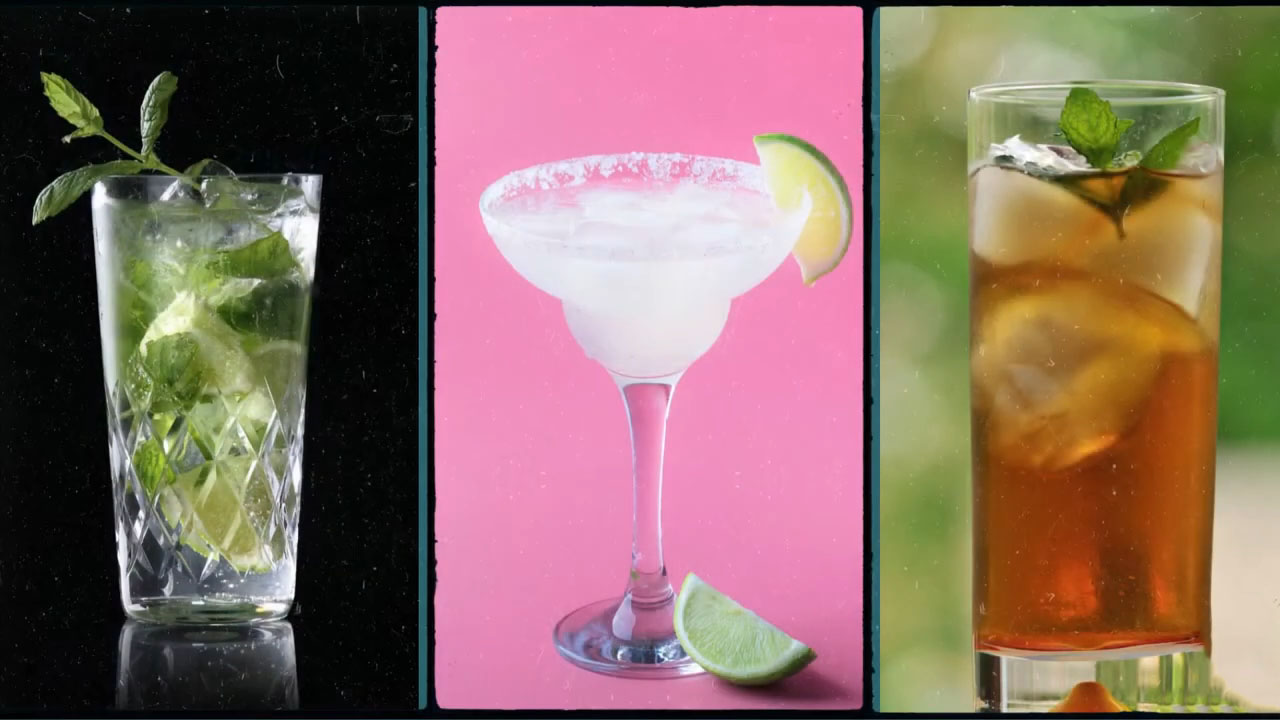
(1164, 155)
(59, 194)
(155, 110)
(1091, 127)
(1095, 131)
(76, 109)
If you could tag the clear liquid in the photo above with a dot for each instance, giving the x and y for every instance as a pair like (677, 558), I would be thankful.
(646, 272)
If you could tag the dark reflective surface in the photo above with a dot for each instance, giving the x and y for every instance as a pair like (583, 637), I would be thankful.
(250, 667)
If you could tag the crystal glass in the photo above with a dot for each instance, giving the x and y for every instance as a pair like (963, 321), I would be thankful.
(204, 300)
(645, 251)
(1094, 356)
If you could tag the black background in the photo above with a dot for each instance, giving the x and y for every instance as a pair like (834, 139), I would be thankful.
(323, 90)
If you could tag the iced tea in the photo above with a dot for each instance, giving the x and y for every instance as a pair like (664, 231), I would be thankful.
(1094, 356)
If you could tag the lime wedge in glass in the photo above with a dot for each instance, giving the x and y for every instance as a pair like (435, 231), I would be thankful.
(231, 371)
(280, 362)
(731, 642)
(221, 507)
(792, 168)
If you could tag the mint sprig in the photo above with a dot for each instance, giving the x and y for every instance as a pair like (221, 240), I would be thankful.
(1095, 131)
(1091, 127)
(1165, 154)
(75, 108)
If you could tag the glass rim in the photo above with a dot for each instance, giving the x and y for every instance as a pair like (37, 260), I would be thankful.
(543, 177)
(493, 192)
(244, 176)
(1158, 91)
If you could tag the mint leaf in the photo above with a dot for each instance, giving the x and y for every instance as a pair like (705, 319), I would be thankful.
(60, 193)
(155, 109)
(1164, 155)
(152, 466)
(1091, 127)
(71, 105)
(274, 309)
(173, 364)
(264, 258)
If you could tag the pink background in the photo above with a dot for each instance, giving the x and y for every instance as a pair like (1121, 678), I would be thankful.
(763, 494)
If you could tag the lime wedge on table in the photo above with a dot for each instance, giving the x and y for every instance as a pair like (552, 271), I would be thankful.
(793, 167)
(731, 642)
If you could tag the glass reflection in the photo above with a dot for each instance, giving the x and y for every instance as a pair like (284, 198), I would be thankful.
(245, 667)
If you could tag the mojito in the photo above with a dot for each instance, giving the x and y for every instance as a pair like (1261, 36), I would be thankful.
(1094, 357)
(204, 295)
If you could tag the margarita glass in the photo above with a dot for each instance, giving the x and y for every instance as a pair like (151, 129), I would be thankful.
(646, 252)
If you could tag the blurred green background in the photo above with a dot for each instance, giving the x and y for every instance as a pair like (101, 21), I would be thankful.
(929, 58)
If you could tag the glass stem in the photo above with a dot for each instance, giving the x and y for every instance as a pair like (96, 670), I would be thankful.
(648, 402)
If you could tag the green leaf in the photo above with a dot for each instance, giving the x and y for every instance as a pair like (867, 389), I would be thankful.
(155, 109)
(152, 466)
(70, 104)
(1164, 155)
(274, 309)
(264, 258)
(1091, 127)
(82, 132)
(60, 193)
(174, 366)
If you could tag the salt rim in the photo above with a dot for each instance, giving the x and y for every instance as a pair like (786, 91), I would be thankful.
(574, 172)
(662, 167)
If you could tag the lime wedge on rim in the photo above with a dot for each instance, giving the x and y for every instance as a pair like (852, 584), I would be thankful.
(793, 167)
(731, 642)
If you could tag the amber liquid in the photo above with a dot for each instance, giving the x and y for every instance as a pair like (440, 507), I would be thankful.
(1094, 423)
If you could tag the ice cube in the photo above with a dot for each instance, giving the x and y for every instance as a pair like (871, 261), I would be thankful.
(1038, 159)
(180, 191)
(1171, 243)
(1015, 218)
(1200, 158)
(214, 168)
(1064, 362)
(230, 192)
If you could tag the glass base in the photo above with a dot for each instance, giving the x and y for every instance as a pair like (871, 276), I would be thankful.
(1180, 681)
(204, 611)
(586, 638)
